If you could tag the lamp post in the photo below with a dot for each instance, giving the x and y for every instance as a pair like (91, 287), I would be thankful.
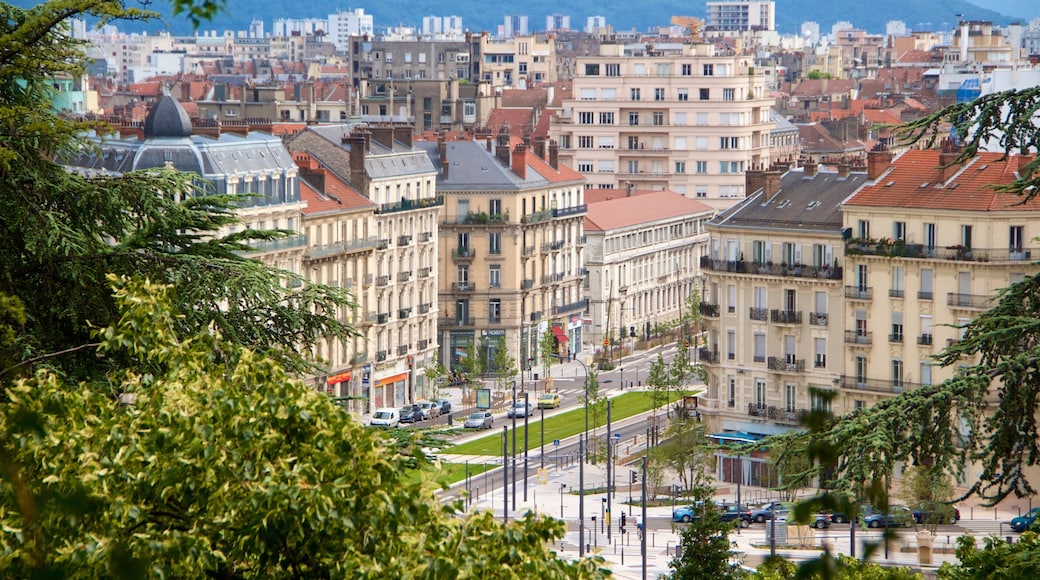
(582, 445)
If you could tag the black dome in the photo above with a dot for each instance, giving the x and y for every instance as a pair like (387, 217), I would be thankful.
(167, 119)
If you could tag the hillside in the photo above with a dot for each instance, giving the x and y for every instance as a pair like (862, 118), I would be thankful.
(476, 16)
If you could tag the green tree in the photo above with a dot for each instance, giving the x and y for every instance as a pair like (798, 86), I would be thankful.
(189, 465)
(839, 568)
(997, 559)
(501, 366)
(547, 351)
(929, 490)
(704, 543)
(62, 232)
(659, 379)
(687, 451)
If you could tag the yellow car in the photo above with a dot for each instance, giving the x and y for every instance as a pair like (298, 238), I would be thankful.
(548, 400)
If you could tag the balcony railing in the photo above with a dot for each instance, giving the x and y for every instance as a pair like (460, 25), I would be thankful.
(776, 413)
(578, 306)
(404, 240)
(859, 293)
(463, 287)
(709, 310)
(758, 313)
(552, 278)
(404, 276)
(569, 211)
(898, 248)
(286, 243)
(924, 339)
(769, 269)
(383, 281)
(527, 284)
(893, 293)
(786, 316)
(457, 321)
(425, 237)
(383, 317)
(381, 356)
(527, 252)
(367, 280)
(536, 316)
(424, 308)
(425, 272)
(895, 337)
(972, 301)
(790, 365)
(708, 356)
(404, 313)
(536, 217)
(855, 337)
(403, 349)
(422, 344)
(464, 253)
(922, 295)
(818, 318)
(410, 204)
(876, 385)
(382, 244)
(358, 358)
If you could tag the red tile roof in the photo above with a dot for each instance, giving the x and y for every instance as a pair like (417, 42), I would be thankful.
(914, 182)
(560, 174)
(639, 209)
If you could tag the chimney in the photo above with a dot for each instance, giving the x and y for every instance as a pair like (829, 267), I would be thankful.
(948, 154)
(771, 181)
(383, 135)
(843, 170)
(1023, 160)
(442, 152)
(754, 180)
(358, 176)
(520, 161)
(404, 135)
(879, 159)
(554, 155)
(502, 147)
(811, 168)
(539, 147)
(490, 144)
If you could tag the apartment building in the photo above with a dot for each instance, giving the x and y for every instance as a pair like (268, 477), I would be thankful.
(773, 301)
(689, 118)
(396, 281)
(516, 61)
(642, 254)
(930, 248)
(511, 243)
(419, 58)
(741, 16)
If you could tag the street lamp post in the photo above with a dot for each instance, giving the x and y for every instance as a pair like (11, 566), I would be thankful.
(582, 446)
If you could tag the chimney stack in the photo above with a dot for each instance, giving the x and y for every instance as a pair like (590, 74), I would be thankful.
(554, 154)
(843, 169)
(383, 135)
(771, 181)
(358, 147)
(879, 159)
(502, 147)
(811, 168)
(442, 152)
(947, 156)
(539, 147)
(520, 161)
(754, 180)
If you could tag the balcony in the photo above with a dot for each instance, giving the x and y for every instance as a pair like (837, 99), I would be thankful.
(286, 243)
(788, 365)
(578, 306)
(383, 244)
(358, 358)
(892, 293)
(425, 272)
(708, 356)
(537, 217)
(818, 318)
(422, 344)
(709, 310)
(770, 269)
(410, 204)
(896, 337)
(463, 287)
(901, 249)
(969, 301)
(860, 338)
(457, 321)
(425, 308)
(779, 414)
(425, 237)
(876, 385)
(553, 278)
(383, 318)
(758, 314)
(527, 252)
(404, 276)
(527, 284)
(403, 241)
(404, 313)
(463, 253)
(859, 293)
(494, 320)
(403, 349)
(381, 356)
(785, 316)
(924, 295)
(924, 340)
(382, 281)
(536, 316)
(570, 211)
(367, 280)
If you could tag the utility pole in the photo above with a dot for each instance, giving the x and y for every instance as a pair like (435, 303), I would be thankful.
(514, 445)
(610, 445)
(646, 527)
(581, 497)
(527, 411)
(505, 475)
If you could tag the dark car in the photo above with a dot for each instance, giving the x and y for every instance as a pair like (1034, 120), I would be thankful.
(767, 511)
(737, 513)
(412, 414)
(445, 406)
(897, 516)
(938, 516)
(1024, 522)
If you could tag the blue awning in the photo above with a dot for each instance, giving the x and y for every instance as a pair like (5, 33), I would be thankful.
(736, 437)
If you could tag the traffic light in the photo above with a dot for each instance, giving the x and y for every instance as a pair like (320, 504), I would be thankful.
(631, 332)
(635, 476)
(622, 523)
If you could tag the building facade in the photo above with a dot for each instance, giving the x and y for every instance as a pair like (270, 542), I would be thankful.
(683, 117)
(511, 248)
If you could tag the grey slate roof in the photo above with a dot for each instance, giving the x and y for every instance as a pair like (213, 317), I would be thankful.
(474, 168)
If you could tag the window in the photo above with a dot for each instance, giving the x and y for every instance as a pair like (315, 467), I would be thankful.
(789, 397)
(820, 300)
(658, 118)
(731, 391)
(679, 118)
(863, 229)
(495, 243)
(702, 167)
(659, 94)
(760, 347)
(861, 369)
(760, 393)
(819, 401)
(586, 118)
(463, 274)
(731, 345)
(585, 167)
(926, 284)
(899, 231)
(820, 353)
(731, 291)
(606, 118)
(634, 94)
(613, 70)
(495, 276)
(926, 329)
(860, 404)
(708, 70)
(1015, 238)
(591, 70)
(686, 70)
(585, 142)
(966, 237)
(728, 94)
(463, 237)
(861, 277)
(495, 310)
(683, 94)
(897, 372)
(680, 167)
(929, 236)
(897, 327)
(704, 94)
(633, 142)
(633, 118)
(495, 207)
(926, 373)
(898, 276)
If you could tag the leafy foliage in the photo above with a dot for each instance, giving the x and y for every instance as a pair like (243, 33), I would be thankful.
(190, 465)
(839, 568)
(705, 543)
(998, 559)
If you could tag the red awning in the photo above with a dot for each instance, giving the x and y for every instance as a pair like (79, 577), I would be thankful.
(561, 336)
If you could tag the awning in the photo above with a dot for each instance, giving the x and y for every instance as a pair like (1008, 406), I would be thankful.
(338, 378)
(737, 437)
(561, 336)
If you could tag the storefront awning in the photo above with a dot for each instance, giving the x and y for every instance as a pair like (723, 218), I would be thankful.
(338, 378)
(561, 335)
(735, 437)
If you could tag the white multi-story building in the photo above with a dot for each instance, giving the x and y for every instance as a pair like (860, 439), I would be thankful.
(515, 25)
(442, 26)
(741, 16)
(684, 117)
(344, 24)
(596, 24)
(556, 22)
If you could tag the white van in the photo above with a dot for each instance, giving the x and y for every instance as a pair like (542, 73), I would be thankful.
(386, 417)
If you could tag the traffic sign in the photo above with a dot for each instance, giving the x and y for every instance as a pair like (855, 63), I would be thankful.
(556, 442)
(606, 342)
(617, 435)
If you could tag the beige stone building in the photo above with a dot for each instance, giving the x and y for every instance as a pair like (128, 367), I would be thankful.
(510, 254)
(517, 61)
(685, 117)
(642, 253)
(773, 303)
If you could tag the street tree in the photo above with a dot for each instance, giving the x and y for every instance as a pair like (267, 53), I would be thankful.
(659, 379)
(704, 545)
(687, 451)
(185, 464)
(997, 558)
(63, 232)
(502, 366)
(929, 490)
(547, 351)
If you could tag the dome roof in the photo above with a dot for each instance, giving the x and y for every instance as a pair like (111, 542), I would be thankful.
(167, 119)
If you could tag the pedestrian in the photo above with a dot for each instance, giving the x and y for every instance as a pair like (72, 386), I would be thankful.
(639, 526)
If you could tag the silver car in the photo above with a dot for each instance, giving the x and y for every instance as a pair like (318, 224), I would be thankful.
(479, 420)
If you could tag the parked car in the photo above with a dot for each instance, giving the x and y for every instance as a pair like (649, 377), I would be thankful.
(1023, 523)
(821, 521)
(768, 510)
(548, 400)
(411, 414)
(479, 420)
(897, 516)
(941, 516)
(521, 409)
(687, 513)
(431, 410)
(386, 417)
(737, 513)
(445, 406)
